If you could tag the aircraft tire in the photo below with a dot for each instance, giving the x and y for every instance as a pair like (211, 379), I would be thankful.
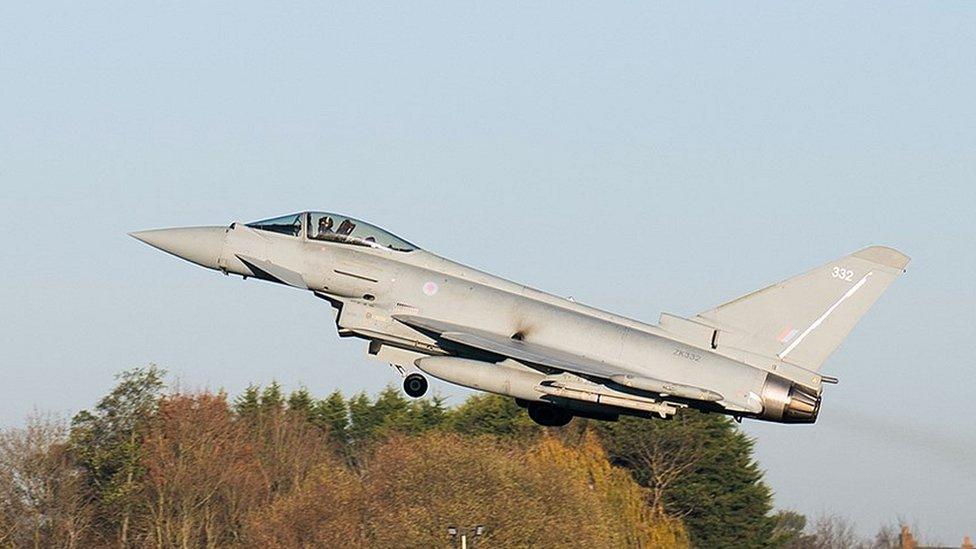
(415, 385)
(548, 415)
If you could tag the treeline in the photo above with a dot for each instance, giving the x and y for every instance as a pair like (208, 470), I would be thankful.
(149, 467)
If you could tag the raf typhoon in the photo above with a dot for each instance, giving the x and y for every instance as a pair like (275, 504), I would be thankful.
(759, 356)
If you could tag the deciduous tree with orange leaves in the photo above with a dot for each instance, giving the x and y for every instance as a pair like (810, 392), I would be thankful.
(155, 468)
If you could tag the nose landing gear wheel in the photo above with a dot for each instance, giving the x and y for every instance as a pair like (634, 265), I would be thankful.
(415, 385)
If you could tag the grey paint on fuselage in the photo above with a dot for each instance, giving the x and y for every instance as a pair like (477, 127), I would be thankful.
(372, 286)
(470, 297)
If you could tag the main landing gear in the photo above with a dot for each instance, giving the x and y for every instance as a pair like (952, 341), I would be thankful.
(415, 385)
(549, 415)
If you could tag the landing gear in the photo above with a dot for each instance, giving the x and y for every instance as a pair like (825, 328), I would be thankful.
(415, 385)
(549, 415)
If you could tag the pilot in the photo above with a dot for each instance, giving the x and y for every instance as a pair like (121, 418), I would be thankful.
(346, 227)
(325, 226)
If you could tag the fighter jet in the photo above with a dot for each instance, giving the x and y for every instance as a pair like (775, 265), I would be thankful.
(758, 356)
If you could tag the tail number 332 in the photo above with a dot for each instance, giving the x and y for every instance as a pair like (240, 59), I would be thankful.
(842, 273)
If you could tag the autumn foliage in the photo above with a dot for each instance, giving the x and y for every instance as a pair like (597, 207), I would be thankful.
(149, 468)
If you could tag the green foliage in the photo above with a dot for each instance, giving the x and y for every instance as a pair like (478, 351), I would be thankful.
(301, 401)
(332, 413)
(489, 414)
(272, 399)
(391, 413)
(362, 420)
(107, 441)
(698, 467)
(788, 530)
(356, 422)
(390, 409)
(702, 467)
(423, 415)
(248, 403)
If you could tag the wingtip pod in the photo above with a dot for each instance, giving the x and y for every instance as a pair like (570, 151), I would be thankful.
(883, 255)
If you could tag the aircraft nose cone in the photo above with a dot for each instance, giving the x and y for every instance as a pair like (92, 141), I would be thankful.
(200, 245)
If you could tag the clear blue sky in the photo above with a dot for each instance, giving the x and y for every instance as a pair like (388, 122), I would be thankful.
(642, 158)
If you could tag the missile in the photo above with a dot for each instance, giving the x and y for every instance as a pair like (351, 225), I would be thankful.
(666, 389)
(608, 399)
(502, 379)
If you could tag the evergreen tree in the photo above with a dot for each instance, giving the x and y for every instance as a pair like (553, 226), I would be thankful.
(362, 420)
(332, 413)
(489, 414)
(272, 399)
(390, 408)
(696, 466)
(423, 415)
(248, 404)
(700, 467)
(392, 413)
(300, 401)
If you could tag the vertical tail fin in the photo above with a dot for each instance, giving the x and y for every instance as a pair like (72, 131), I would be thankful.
(803, 319)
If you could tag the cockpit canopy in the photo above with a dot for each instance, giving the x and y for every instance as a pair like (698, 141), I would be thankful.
(333, 228)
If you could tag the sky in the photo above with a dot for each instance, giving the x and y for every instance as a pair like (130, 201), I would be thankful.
(640, 157)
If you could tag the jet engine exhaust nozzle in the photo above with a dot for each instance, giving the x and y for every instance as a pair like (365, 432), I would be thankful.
(786, 402)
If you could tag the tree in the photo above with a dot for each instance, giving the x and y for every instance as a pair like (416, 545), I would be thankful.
(422, 415)
(332, 414)
(833, 532)
(300, 401)
(248, 404)
(488, 414)
(209, 470)
(698, 467)
(202, 475)
(363, 422)
(545, 495)
(289, 447)
(106, 443)
(391, 413)
(148, 468)
(327, 510)
(43, 500)
(272, 399)
(623, 508)
(788, 531)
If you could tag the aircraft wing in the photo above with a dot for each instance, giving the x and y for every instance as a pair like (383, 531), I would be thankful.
(521, 351)
(533, 353)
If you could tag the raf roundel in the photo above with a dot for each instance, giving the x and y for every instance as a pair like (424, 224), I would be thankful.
(430, 288)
